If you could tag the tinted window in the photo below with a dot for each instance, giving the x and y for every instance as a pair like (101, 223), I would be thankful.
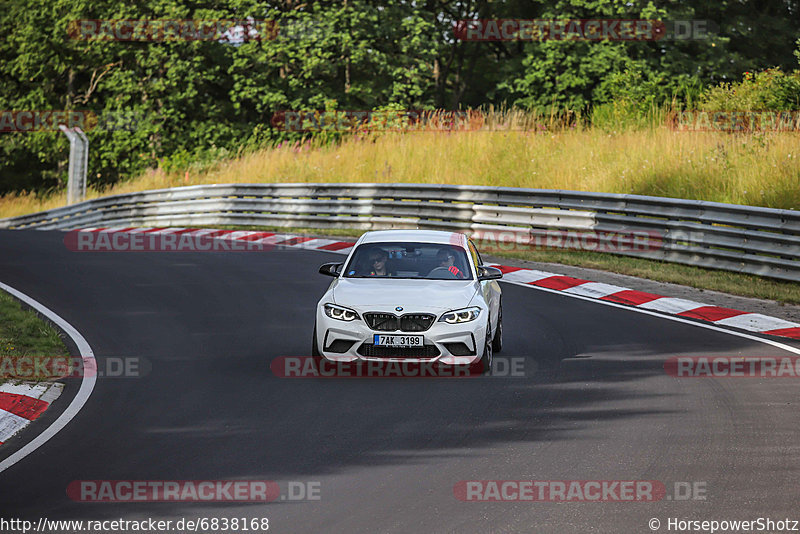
(430, 261)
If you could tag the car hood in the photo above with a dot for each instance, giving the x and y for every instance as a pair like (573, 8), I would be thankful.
(412, 295)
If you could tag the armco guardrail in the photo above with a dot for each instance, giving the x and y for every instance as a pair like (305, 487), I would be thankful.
(746, 239)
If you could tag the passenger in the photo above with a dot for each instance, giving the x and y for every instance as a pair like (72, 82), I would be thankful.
(377, 263)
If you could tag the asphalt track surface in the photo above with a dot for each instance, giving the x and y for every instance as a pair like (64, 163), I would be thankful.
(596, 404)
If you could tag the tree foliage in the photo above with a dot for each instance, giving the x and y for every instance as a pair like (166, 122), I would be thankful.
(169, 103)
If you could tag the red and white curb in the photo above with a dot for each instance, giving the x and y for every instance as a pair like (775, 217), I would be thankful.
(22, 403)
(752, 322)
(726, 317)
(22, 411)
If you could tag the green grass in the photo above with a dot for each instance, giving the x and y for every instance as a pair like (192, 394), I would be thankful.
(743, 285)
(732, 283)
(26, 339)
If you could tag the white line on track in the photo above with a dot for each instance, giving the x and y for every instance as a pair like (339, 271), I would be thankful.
(87, 384)
(777, 344)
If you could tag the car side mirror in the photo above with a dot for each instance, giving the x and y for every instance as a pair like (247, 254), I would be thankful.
(331, 269)
(489, 273)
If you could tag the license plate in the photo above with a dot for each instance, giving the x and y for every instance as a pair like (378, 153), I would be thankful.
(381, 340)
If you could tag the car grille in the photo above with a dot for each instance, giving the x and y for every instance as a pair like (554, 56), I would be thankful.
(369, 350)
(389, 322)
(459, 349)
(339, 346)
(384, 322)
(416, 322)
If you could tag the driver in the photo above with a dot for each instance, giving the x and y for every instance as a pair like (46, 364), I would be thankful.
(446, 260)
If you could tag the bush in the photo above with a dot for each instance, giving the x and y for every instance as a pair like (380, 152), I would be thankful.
(769, 90)
(636, 99)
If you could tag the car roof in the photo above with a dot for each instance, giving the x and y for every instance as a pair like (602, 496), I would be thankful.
(418, 236)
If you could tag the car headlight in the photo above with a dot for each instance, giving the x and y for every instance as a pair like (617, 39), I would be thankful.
(338, 312)
(461, 316)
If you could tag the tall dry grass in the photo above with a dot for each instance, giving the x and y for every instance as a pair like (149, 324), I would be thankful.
(545, 152)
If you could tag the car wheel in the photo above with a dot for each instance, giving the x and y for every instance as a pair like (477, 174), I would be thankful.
(497, 340)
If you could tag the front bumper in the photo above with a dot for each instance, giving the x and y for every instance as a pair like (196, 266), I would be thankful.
(450, 344)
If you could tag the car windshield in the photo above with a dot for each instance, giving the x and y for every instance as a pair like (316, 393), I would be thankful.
(429, 261)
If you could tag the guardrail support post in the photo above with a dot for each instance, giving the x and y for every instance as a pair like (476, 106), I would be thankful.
(78, 163)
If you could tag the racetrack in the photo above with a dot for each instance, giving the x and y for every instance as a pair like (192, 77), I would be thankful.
(596, 405)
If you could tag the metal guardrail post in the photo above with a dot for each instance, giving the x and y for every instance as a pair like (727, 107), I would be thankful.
(78, 163)
(85, 164)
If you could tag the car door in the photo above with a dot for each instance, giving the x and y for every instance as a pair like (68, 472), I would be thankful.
(489, 288)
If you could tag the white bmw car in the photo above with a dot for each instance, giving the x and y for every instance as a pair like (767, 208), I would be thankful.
(410, 295)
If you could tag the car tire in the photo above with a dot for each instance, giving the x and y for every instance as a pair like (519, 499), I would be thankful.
(497, 340)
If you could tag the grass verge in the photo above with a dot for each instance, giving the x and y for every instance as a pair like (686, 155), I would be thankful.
(25, 341)
(743, 285)
(759, 169)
